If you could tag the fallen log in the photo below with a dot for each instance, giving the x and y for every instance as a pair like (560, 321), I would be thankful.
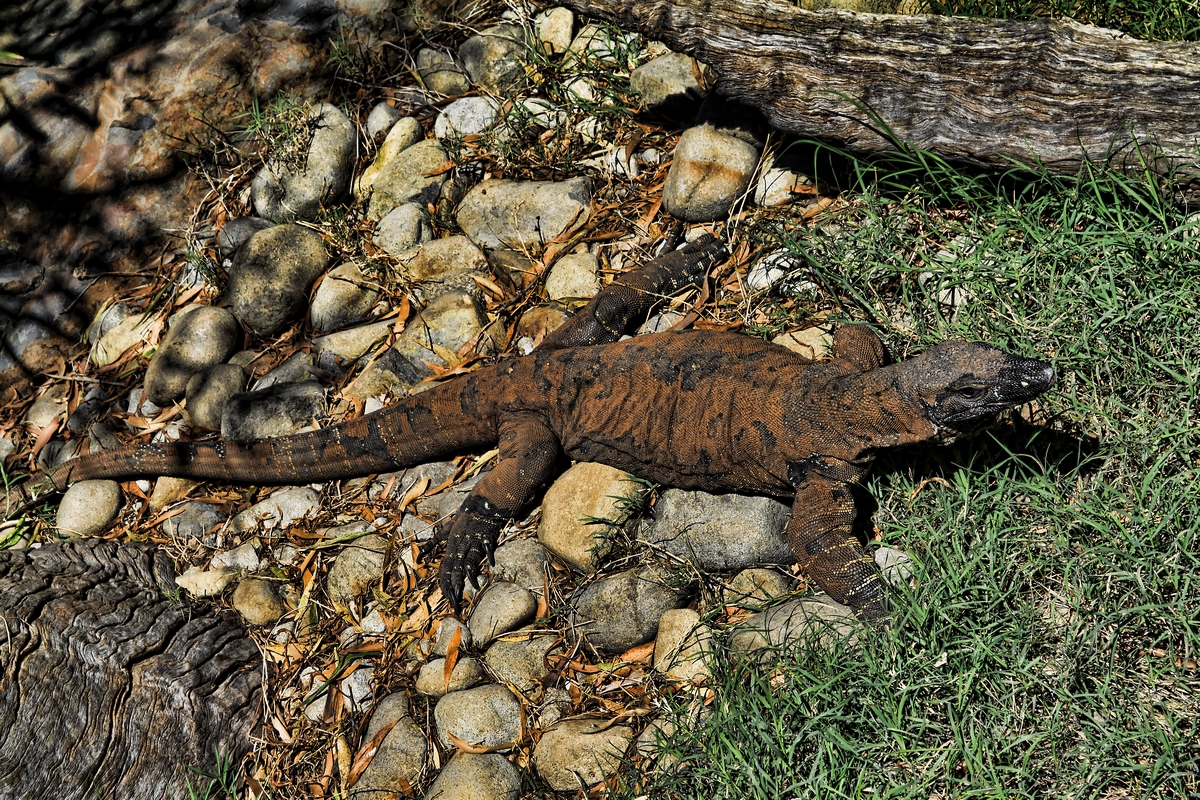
(108, 689)
(986, 92)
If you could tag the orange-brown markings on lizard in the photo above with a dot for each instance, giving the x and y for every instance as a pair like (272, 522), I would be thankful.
(720, 412)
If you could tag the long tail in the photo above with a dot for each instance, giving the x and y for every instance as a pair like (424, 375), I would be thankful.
(425, 427)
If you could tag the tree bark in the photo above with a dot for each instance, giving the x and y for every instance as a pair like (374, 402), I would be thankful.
(107, 688)
(985, 92)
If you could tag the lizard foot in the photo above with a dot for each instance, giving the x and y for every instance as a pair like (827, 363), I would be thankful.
(472, 538)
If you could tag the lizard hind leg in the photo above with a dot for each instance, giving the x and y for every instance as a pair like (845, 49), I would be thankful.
(529, 455)
(859, 346)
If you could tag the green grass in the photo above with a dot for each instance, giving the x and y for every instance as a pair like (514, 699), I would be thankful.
(1049, 646)
(1168, 20)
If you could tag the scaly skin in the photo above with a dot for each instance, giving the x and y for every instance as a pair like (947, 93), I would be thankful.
(720, 412)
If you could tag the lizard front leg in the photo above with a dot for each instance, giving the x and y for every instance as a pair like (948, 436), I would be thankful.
(609, 313)
(820, 532)
(529, 451)
(858, 346)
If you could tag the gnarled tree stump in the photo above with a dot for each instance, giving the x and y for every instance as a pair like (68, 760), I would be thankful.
(109, 689)
(987, 92)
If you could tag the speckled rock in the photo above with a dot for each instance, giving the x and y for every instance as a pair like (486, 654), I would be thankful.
(554, 27)
(621, 611)
(439, 260)
(494, 58)
(199, 337)
(476, 776)
(403, 134)
(523, 562)
(895, 565)
(778, 186)
(709, 173)
(271, 275)
(578, 753)
(353, 343)
(575, 275)
(409, 177)
(684, 647)
(445, 633)
(381, 119)
(278, 512)
(584, 493)
(518, 658)
(88, 507)
(515, 214)
(209, 391)
(466, 116)
(257, 601)
(195, 523)
(285, 192)
(402, 754)
(442, 73)
(357, 566)
(431, 680)
(236, 232)
(344, 296)
(486, 716)
(401, 229)
(754, 587)
(275, 411)
(818, 617)
(720, 532)
(500, 609)
(668, 85)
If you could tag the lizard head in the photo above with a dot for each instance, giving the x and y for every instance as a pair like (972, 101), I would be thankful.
(962, 386)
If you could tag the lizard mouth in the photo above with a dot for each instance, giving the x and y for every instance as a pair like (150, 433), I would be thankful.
(969, 408)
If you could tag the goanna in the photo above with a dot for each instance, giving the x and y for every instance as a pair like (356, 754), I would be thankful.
(719, 412)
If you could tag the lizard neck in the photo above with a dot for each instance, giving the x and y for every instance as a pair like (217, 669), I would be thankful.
(880, 413)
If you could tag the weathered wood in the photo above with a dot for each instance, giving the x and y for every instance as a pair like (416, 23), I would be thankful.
(988, 92)
(109, 690)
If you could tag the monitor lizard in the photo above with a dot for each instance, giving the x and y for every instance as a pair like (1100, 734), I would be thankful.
(714, 411)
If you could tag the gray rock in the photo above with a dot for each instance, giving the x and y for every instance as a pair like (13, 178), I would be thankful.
(431, 680)
(19, 277)
(344, 296)
(408, 178)
(275, 411)
(389, 709)
(284, 193)
(752, 588)
(895, 565)
(554, 27)
(778, 187)
(48, 408)
(573, 508)
(659, 322)
(271, 275)
(818, 618)
(401, 229)
(577, 753)
(780, 268)
(441, 73)
(353, 343)
(494, 58)
(445, 632)
(720, 532)
(667, 85)
(293, 369)
(476, 776)
(244, 557)
(622, 610)
(450, 321)
(601, 45)
(466, 116)
(357, 566)
(524, 214)
(122, 329)
(684, 647)
(257, 601)
(709, 173)
(7, 448)
(236, 232)
(195, 523)
(200, 337)
(575, 275)
(403, 134)
(278, 512)
(523, 562)
(402, 754)
(356, 687)
(486, 716)
(381, 119)
(518, 658)
(208, 392)
(88, 507)
(501, 608)
(439, 259)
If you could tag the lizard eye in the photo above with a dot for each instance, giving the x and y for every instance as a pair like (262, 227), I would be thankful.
(971, 392)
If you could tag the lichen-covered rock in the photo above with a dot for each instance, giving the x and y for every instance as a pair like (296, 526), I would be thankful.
(403, 134)
(622, 611)
(476, 776)
(819, 618)
(402, 228)
(486, 716)
(209, 391)
(580, 510)
(88, 507)
(402, 754)
(236, 232)
(684, 647)
(357, 566)
(411, 176)
(519, 658)
(441, 73)
(271, 275)
(494, 58)
(344, 295)
(577, 753)
(275, 411)
(575, 275)
(516, 214)
(500, 609)
(284, 192)
(720, 531)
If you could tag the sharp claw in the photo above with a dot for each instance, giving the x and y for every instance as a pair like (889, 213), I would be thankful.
(489, 550)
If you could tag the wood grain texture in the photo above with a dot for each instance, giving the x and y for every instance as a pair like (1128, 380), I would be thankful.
(987, 92)
(109, 690)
